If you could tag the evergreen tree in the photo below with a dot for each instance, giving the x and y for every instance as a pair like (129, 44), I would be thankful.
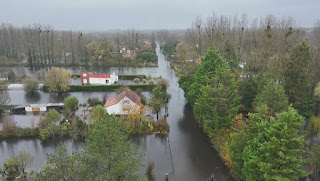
(276, 152)
(248, 90)
(274, 96)
(215, 93)
(297, 83)
(230, 55)
(107, 155)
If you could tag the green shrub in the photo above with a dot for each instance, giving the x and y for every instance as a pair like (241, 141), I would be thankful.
(151, 82)
(136, 80)
(144, 80)
(148, 57)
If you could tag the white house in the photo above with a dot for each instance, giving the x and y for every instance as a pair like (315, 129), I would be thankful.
(123, 103)
(98, 79)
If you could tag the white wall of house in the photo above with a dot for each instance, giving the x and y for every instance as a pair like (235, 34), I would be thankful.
(113, 78)
(117, 109)
(99, 81)
(103, 81)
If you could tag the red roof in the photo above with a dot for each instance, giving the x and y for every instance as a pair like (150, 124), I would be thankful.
(126, 93)
(99, 75)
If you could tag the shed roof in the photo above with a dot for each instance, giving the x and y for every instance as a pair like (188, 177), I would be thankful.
(99, 76)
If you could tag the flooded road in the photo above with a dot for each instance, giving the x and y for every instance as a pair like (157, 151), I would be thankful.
(186, 153)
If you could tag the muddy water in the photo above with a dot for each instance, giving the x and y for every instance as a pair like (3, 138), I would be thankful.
(185, 154)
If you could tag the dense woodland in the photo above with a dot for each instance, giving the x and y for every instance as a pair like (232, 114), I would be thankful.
(40, 45)
(254, 88)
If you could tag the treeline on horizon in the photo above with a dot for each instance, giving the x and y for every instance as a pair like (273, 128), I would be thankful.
(262, 45)
(41, 45)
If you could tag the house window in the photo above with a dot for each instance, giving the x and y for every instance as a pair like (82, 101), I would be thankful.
(126, 101)
(107, 81)
(85, 81)
(84, 75)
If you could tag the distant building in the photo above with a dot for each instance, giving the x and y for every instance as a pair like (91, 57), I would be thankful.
(147, 45)
(127, 53)
(98, 79)
(123, 103)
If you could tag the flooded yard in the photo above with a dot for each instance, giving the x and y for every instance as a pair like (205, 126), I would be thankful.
(186, 153)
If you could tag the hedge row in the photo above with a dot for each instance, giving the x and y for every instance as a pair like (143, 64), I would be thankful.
(78, 88)
(20, 133)
(124, 77)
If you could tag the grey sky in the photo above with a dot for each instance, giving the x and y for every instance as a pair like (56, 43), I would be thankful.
(146, 14)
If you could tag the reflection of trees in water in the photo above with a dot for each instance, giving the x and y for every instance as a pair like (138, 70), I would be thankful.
(56, 98)
(34, 98)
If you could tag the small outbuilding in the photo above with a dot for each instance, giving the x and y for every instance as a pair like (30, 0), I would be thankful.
(36, 108)
(18, 110)
(56, 106)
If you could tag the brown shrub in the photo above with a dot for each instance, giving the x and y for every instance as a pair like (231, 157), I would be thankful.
(161, 126)
(8, 127)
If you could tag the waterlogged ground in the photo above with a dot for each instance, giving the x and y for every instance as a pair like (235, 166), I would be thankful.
(185, 154)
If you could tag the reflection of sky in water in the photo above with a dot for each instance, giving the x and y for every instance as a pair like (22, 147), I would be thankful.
(193, 158)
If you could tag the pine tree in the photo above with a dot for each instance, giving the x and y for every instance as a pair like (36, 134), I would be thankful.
(230, 55)
(275, 153)
(274, 96)
(215, 93)
(297, 83)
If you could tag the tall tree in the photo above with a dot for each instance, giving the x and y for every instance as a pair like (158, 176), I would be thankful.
(230, 55)
(276, 152)
(108, 154)
(297, 83)
(60, 167)
(248, 90)
(274, 96)
(216, 104)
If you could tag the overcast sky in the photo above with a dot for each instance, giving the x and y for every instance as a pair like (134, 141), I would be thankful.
(146, 14)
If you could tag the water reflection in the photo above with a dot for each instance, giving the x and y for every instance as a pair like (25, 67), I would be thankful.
(186, 153)
(34, 98)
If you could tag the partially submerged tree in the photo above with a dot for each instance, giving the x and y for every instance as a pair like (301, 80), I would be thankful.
(58, 80)
(16, 165)
(71, 106)
(4, 95)
(48, 124)
(30, 85)
(159, 99)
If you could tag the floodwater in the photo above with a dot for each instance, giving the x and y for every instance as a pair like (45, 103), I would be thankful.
(186, 154)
